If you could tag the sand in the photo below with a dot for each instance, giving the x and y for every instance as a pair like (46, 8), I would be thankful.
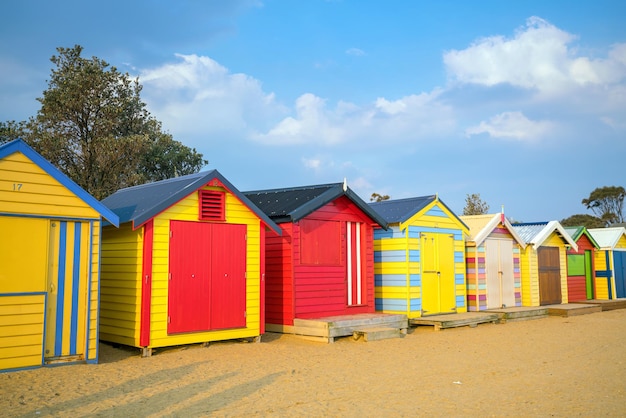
(553, 366)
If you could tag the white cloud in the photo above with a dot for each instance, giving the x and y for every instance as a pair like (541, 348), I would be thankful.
(537, 57)
(197, 94)
(410, 118)
(355, 51)
(511, 125)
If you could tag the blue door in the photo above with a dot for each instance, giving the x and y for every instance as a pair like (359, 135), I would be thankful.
(619, 259)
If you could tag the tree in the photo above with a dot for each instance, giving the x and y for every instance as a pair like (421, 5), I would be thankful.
(588, 221)
(94, 127)
(474, 205)
(9, 131)
(607, 203)
(378, 197)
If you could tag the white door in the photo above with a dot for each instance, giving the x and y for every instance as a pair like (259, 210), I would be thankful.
(499, 273)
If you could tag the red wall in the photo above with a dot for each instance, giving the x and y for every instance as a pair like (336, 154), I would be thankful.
(314, 291)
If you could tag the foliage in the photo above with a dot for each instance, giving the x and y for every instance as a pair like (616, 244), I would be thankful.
(588, 221)
(94, 127)
(10, 130)
(378, 197)
(474, 205)
(607, 203)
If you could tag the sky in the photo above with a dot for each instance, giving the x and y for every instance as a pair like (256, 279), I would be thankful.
(522, 102)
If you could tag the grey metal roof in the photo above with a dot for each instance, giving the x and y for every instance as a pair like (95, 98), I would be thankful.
(607, 238)
(141, 203)
(536, 233)
(528, 231)
(294, 203)
(399, 210)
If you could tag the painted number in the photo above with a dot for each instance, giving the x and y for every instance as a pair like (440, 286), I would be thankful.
(17, 187)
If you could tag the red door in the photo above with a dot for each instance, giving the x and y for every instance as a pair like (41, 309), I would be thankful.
(207, 282)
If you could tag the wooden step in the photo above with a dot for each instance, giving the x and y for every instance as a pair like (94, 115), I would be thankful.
(572, 309)
(471, 319)
(377, 333)
(520, 313)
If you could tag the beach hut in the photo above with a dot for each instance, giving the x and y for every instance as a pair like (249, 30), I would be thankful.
(580, 265)
(49, 263)
(322, 265)
(544, 263)
(492, 256)
(185, 266)
(610, 262)
(419, 259)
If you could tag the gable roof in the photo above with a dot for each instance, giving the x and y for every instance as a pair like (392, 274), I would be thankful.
(535, 233)
(482, 225)
(576, 232)
(20, 146)
(607, 238)
(294, 203)
(401, 210)
(139, 204)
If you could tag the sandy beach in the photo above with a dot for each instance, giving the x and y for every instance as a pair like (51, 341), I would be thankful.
(554, 366)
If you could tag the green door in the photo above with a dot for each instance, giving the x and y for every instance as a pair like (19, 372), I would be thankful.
(588, 274)
(437, 266)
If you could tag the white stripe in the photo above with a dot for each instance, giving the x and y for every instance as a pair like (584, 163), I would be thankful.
(349, 250)
(358, 262)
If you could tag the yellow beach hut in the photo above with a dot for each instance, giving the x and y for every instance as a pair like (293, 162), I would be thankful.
(186, 265)
(610, 262)
(492, 256)
(544, 262)
(419, 261)
(49, 263)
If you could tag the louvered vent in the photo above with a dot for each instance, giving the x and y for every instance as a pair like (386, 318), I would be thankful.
(212, 205)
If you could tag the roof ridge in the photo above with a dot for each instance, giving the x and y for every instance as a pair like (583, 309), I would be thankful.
(294, 188)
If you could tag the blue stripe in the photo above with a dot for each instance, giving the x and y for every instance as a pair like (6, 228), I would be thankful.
(390, 256)
(76, 280)
(88, 306)
(58, 336)
(390, 304)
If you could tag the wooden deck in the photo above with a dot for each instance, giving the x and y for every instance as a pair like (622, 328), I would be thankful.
(573, 309)
(371, 326)
(471, 319)
(607, 305)
(520, 313)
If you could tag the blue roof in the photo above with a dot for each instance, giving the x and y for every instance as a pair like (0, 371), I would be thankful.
(294, 203)
(141, 203)
(19, 145)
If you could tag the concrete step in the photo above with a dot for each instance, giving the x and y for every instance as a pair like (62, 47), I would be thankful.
(377, 333)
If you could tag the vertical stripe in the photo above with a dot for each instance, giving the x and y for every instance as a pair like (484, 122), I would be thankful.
(358, 261)
(87, 329)
(58, 338)
(76, 281)
(349, 260)
(146, 283)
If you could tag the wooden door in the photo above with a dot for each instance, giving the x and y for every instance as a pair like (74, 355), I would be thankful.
(68, 276)
(589, 274)
(354, 268)
(207, 283)
(438, 284)
(549, 275)
(500, 278)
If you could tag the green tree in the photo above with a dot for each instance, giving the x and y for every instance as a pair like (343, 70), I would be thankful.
(95, 128)
(607, 203)
(588, 221)
(474, 205)
(376, 197)
(10, 130)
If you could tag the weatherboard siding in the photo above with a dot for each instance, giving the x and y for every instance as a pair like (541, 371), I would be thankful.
(397, 261)
(603, 272)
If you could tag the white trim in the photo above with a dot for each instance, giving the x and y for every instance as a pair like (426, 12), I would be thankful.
(349, 260)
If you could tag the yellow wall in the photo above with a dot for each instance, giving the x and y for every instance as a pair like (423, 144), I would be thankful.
(22, 325)
(602, 283)
(121, 277)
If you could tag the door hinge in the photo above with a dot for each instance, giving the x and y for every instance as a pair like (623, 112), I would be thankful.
(245, 314)
(171, 233)
(169, 276)
(245, 275)
(169, 319)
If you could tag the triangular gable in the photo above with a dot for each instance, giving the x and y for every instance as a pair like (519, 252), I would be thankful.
(577, 232)
(436, 203)
(22, 147)
(542, 231)
(609, 238)
(481, 226)
(139, 204)
(295, 203)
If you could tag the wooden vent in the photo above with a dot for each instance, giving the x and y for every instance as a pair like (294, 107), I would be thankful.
(212, 205)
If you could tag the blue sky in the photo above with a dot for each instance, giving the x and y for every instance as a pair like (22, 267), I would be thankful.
(523, 102)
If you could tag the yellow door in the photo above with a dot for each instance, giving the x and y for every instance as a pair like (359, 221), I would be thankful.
(67, 286)
(437, 262)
